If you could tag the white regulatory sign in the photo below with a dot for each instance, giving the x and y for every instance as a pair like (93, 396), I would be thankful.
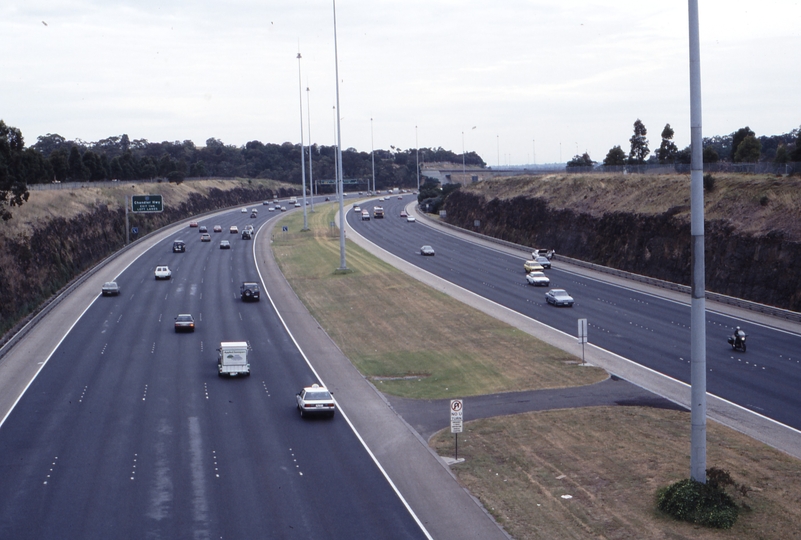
(457, 409)
(582, 330)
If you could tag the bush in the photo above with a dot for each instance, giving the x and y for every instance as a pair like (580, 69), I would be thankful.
(709, 182)
(703, 504)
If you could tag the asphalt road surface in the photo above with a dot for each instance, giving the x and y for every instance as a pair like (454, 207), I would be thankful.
(650, 330)
(129, 432)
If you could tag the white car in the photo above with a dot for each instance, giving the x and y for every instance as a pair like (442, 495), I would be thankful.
(297, 205)
(233, 229)
(270, 209)
(244, 210)
(538, 279)
(410, 219)
(163, 272)
(315, 399)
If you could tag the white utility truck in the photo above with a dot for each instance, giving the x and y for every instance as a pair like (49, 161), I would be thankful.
(233, 358)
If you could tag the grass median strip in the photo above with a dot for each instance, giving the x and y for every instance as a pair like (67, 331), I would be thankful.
(409, 339)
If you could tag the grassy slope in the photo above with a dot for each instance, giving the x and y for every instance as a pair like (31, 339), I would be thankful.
(752, 204)
(66, 203)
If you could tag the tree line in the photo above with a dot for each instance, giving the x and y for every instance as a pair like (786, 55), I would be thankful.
(52, 158)
(742, 146)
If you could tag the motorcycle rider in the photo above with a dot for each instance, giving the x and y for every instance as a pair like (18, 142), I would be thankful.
(738, 336)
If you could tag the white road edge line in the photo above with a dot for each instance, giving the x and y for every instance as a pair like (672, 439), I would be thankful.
(345, 416)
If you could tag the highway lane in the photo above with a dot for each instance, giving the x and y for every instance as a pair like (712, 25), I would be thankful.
(650, 330)
(129, 432)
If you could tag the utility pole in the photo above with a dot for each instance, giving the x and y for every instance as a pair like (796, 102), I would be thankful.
(311, 175)
(372, 153)
(342, 264)
(417, 154)
(302, 155)
(698, 283)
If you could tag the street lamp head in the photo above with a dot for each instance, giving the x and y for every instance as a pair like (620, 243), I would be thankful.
(299, 57)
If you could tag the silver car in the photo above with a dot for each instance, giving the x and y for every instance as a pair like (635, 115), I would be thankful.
(559, 297)
(110, 288)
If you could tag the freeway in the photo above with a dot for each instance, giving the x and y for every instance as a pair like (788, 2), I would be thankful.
(651, 330)
(128, 432)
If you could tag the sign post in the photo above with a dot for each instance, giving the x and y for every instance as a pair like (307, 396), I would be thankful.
(582, 336)
(457, 411)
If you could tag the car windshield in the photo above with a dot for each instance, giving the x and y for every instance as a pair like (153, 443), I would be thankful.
(184, 318)
(317, 396)
(560, 293)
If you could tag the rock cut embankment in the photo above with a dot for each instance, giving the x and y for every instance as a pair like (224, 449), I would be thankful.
(741, 260)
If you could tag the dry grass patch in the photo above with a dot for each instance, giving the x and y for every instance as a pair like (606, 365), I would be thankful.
(611, 461)
(424, 343)
(771, 203)
(66, 203)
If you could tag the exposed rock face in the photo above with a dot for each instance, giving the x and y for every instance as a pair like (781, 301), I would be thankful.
(762, 269)
(34, 268)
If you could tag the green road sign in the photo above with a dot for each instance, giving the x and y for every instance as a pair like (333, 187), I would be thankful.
(329, 182)
(147, 203)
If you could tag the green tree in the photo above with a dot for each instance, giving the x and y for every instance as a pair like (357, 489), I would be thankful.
(781, 155)
(581, 161)
(615, 157)
(748, 150)
(639, 144)
(94, 166)
(795, 155)
(737, 138)
(710, 155)
(76, 170)
(13, 190)
(667, 150)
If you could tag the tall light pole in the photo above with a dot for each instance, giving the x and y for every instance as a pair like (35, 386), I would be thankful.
(372, 153)
(336, 178)
(464, 174)
(698, 285)
(311, 175)
(302, 155)
(498, 141)
(417, 154)
(534, 149)
(342, 265)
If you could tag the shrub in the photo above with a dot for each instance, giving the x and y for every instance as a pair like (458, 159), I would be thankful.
(709, 182)
(703, 504)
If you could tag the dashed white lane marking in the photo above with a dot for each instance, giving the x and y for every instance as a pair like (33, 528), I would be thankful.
(133, 466)
(80, 399)
(50, 471)
(144, 395)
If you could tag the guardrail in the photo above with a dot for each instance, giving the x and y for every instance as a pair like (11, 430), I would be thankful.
(715, 297)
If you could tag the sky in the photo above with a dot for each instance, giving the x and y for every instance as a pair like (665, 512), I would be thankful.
(517, 81)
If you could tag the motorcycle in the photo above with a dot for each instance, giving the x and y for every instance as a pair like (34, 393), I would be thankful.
(737, 342)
